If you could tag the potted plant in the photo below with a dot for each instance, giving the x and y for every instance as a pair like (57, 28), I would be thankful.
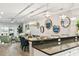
(20, 29)
(77, 24)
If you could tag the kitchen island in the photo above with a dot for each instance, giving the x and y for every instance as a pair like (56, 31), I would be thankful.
(52, 46)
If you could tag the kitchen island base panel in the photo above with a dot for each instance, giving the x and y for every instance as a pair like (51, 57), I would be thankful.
(31, 49)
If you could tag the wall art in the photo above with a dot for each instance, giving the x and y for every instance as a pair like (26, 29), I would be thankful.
(42, 29)
(48, 23)
(65, 22)
(56, 29)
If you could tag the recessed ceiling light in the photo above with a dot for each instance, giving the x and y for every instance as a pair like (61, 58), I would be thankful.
(1, 13)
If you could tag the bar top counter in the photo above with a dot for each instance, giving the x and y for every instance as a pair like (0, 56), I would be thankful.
(44, 38)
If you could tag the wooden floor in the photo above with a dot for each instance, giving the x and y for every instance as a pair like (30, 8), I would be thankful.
(12, 50)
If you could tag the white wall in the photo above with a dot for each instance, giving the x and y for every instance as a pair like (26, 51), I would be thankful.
(70, 31)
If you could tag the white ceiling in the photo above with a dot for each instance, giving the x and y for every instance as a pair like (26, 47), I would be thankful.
(22, 12)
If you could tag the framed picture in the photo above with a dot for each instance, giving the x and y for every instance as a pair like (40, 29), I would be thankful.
(42, 29)
(56, 29)
(48, 23)
(65, 22)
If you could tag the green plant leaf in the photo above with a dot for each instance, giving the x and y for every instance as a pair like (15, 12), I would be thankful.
(77, 23)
